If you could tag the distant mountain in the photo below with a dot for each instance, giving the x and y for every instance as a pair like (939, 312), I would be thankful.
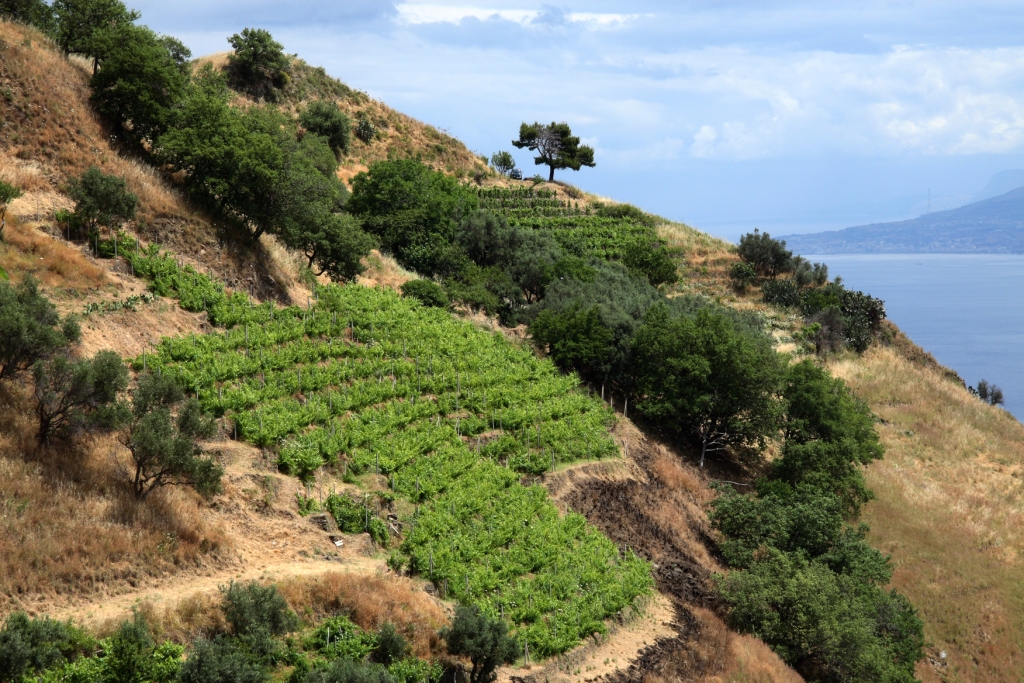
(991, 226)
(1001, 183)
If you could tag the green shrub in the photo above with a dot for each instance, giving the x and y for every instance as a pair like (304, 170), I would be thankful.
(101, 199)
(219, 661)
(256, 614)
(365, 130)
(131, 656)
(652, 260)
(325, 118)
(347, 671)
(807, 274)
(481, 638)
(33, 645)
(769, 257)
(391, 646)
(828, 626)
(626, 212)
(783, 293)
(427, 292)
(742, 275)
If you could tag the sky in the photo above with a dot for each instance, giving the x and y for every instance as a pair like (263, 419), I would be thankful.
(728, 115)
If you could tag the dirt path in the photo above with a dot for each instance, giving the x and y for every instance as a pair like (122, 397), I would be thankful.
(169, 591)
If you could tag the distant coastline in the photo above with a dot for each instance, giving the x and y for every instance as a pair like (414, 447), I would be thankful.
(990, 226)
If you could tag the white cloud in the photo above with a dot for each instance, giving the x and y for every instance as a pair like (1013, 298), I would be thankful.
(431, 13)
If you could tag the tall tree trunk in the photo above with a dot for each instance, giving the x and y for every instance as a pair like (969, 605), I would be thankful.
(551, 176)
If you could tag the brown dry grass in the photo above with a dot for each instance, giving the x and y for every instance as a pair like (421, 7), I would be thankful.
(739, 658)
(383, 270)
(68, 526)
(55, 263)
(950, 509)
(370, 602)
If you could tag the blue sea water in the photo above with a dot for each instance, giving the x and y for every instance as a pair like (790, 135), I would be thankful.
(965, 309)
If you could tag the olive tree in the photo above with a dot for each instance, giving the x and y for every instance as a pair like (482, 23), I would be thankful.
(76, 396)
(30, 327)
(484, 640)
(162, 435)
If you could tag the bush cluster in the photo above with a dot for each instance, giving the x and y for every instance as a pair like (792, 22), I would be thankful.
(837, 317)
(805, 581)
(256, 644)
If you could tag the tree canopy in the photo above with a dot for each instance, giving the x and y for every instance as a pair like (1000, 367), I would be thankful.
(30, 327)
(258, 66)
(706, 378)
(325, 118)
(555, 145)
(80, 25)
(414, 212)
(142, 77)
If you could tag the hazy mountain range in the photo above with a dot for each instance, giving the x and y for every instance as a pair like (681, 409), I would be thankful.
(993, 224)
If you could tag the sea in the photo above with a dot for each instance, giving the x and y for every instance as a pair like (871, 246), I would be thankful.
(965, 309)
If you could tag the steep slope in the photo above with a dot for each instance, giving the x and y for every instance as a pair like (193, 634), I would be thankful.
(990, 226)
(949, 508)
(74, 544)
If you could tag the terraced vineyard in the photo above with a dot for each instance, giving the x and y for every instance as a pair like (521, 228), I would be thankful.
(579, 231)
(436, 421)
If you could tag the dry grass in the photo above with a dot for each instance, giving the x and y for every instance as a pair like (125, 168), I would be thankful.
(370, 602)
(384, 271)
(740, 658)
(950, 509)
(67, 525)
(55, 263)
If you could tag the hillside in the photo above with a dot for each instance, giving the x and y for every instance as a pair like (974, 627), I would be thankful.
(168, 556)
(467, 449)
(990, 226)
